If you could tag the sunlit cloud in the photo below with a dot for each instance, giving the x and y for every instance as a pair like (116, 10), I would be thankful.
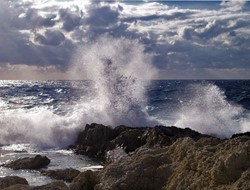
(182, 37)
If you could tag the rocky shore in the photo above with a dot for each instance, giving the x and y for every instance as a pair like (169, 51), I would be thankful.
(167, 158)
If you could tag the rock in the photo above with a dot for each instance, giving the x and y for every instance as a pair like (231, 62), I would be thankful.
(129, 139)
(241, 134)
(18, 187)
(9, 181)
(93, 140)
(146, 169)
(96, 140)
(56, 185)
(62, 174)
(36, 162)
(85, 181)
(207, 163)
(115, 155)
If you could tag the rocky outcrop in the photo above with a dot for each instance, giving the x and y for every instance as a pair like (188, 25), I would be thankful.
(67, 174)
(96, 140)
(85, 181)
(159, 158)
(241, 134)
(207, 163)
(34, 163)
(18, 187)
(93, 141)
(56, 185)
(9, 181)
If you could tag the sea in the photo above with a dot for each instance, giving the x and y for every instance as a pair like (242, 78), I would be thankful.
(44, 117)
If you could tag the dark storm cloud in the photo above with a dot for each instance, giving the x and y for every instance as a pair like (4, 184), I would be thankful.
(179, 38)
(101, 16)
(31, 19)
(51, 38)
(18, 48)
(70, 19)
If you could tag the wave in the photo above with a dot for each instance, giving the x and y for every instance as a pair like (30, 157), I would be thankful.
(209, 112)
(117, 97)
(117, 68)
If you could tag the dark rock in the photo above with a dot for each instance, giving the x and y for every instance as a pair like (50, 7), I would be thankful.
(129, 139)
(85, 181)
(36, 162)
(62, 174)
(247, 134)
(9, 181)
(56, 185)
(93, 140)
(96, 140)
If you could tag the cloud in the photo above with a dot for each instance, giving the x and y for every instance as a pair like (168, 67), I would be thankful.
(234, 5)
(184, 40)
(51, 38)
(70, 19)
(101, 16)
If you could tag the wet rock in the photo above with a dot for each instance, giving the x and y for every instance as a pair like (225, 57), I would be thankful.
(36, 162)
(93, 140)
(9, 181)
(62, 174)
(96, 140)
(241, 134)
(56, 185)
(85, 181)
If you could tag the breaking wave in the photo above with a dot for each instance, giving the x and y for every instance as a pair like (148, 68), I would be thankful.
(209, 112)
(118, 69)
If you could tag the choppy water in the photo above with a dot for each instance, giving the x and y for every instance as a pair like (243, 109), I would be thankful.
(45, 116)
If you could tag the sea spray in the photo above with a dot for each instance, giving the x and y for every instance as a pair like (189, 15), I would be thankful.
(40, 127)
(115, 96)
(120, 70)
(208, 111)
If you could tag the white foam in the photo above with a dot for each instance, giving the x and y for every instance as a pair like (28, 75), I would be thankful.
(117, 67)
(209, 112)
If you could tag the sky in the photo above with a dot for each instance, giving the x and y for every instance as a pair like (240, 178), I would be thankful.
(187, 40)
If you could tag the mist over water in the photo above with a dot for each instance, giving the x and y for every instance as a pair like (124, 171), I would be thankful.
(119, 72)
(209, 112)
(117, 69)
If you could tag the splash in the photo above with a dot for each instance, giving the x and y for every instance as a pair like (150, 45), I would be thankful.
(41, 128)
(118, 68)
(209, 112)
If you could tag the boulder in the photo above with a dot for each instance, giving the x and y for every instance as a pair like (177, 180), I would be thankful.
(8, 181)
(67, 174)
(85, 181)
(34, 163)
(93, 140)
(56, 185)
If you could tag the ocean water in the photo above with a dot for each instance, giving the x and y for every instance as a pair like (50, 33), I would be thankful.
(44, 117)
